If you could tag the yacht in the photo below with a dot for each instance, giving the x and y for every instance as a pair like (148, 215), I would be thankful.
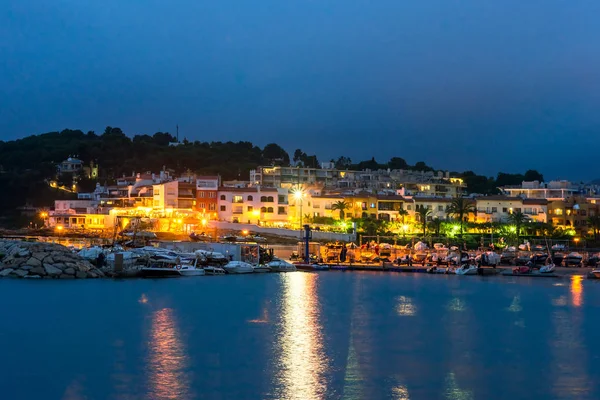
(238, 267)
(160, 269)
(190, 270)
(595, 274)
(281, 266)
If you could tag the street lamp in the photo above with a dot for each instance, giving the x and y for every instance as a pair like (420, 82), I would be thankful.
(298, 195)
(256, 214)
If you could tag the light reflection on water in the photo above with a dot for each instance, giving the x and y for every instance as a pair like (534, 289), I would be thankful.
(168, 360)
(576, 290)
(302, 361)
(406, 307)
(567, 346)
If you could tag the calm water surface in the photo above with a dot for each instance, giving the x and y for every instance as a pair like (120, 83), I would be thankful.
(332, 335)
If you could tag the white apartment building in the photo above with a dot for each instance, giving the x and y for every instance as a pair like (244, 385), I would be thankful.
(253, 205)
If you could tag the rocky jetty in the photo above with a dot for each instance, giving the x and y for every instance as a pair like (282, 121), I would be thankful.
(33, 260)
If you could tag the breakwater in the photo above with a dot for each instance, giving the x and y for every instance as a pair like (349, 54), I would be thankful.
(35, 260)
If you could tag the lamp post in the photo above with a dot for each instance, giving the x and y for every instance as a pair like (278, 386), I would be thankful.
(298, 195)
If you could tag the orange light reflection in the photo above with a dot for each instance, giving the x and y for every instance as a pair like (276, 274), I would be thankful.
(303, 360)
(167, 360)
(576, 290)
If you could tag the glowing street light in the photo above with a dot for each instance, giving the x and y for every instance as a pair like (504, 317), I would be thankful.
(298, 194)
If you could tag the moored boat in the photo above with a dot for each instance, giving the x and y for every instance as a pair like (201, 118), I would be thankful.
(547, 269)
(238, 267)
(466, 270)
(311, 267)
(190, 270)
(282, 266)
(160, 269)
(213, 270)
(262, 268)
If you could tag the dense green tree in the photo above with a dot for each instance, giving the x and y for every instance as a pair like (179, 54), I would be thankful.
(276, 155)
(533, 175)
(397, 163)
(343, 162)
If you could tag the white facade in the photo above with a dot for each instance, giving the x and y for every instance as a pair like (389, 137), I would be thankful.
(253, 205)
(165, 195)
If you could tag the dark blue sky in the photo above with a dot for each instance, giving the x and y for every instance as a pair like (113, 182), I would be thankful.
(472, 84)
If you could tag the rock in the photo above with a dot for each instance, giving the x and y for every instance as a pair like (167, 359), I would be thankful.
(81, 274)
(32, 277)
(60, 266)
(26, 267)
(92, 274)
(69, 271)
(71, 265)
(49, 260)
(20, 273)
(38, 271)
(52, 270)
(39, 255)
(24, 253)
(65, 276)
(6, 271)
(34, 262)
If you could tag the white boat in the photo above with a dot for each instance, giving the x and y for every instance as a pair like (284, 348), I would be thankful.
(595, 273)
(212, 270)
(282, 266)
(190, 270)
(262, 268)
(238, 267)
(466, 270)
(546, 269)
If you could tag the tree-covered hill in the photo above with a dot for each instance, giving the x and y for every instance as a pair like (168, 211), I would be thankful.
(27, 163)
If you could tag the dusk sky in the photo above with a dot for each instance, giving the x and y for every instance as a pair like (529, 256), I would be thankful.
(484, 85)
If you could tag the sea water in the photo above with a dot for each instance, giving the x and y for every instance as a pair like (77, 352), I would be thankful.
(327, 335)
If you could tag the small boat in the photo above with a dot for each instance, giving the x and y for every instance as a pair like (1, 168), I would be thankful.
(202, 237)
(238, 267)
(281, 266)
(547, 269)
(160, 269)
(437, 270)
(573, 259)
(594, 274)
(466, 270)
(262, 268)
(311, 267)
(213, 270)
(190, 270)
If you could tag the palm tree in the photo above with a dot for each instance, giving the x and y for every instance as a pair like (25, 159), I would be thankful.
(423, 214)
(436, 226)
(518, 219)
(594, 223)
(341, 206)
(402, 213)
(459, 208)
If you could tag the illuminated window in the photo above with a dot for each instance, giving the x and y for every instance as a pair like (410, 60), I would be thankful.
(250, 208)
(237, 199)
